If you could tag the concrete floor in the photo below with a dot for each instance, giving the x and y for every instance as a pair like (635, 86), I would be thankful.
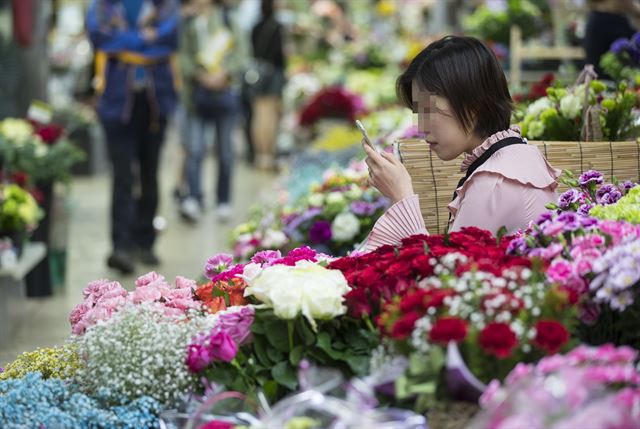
(183, 248)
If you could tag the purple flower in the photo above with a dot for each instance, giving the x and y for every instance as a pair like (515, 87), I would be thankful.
(635, 40)
(237, 324)
(266, 256)
(627, 185)
(608, 194)
(591, 176)
(584, 209)
(620, 45)
(363, 208)
(517, 246)
(544, 217)
(570, 220)
(219, 263)
(568, 198)
(589, 312)
(320, 232)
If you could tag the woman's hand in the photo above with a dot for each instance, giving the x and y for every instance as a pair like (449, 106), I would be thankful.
(388, 175)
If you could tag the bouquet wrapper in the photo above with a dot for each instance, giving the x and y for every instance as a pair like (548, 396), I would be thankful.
(461, 383)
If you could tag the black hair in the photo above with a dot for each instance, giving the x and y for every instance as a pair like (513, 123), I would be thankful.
(467, 73)
(267, 8)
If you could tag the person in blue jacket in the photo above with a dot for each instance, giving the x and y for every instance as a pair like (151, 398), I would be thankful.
(134, 41)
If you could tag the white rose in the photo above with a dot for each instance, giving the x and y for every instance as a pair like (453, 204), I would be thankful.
(345, 226)
(250, 272)
(306, 288)
(571, 106)
(274, 239)
(316, 200)
(17, 130)
(335, 198)
(539, 106)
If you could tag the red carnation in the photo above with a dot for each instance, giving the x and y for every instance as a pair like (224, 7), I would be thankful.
(402, 327)
(448, 329)
(358, 303)
(498, 339)
(550, 335)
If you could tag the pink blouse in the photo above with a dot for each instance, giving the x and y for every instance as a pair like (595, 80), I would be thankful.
(510, 189)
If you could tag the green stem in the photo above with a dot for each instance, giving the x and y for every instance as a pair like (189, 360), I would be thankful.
(367, 321)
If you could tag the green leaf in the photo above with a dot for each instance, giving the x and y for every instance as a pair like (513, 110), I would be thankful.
(277, 334)
(296, 355)
(501, 233)
(284, 374)
(260, 349)
(324, 344)
(426, 247)
(358, 364)
(275, 355)
(257, 328)
(270, 389)
(304, 330)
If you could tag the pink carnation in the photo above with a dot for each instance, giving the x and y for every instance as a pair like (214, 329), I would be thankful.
(182, 304)
(185, 283)
(521, 371)
(145, 294)
(93, 288)
(79, 312)
(148, 278)
(179, 294)
(559, 271)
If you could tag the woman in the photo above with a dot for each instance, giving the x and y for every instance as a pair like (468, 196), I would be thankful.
(459, 92)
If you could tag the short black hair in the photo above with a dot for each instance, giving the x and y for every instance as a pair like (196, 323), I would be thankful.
(467, 73)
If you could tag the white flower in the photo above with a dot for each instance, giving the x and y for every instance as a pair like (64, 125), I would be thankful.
(345, 226)
(354, 193)
(274, 239)
(335, 198)
(251, 271)
(539, 106)
(16, 130)
(315, 200)
(571, 106)
(306, 288)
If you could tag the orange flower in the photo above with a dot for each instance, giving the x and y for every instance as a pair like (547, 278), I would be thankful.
(205, 292)
(236, 297)
(217, 304)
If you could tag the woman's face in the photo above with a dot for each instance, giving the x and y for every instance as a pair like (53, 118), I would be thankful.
(444, 133)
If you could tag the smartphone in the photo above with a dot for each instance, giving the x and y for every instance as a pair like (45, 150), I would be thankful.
(367, 140)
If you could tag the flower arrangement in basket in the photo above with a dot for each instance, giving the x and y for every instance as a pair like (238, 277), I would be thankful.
(436, 291)
(41, 151)
(583, 112)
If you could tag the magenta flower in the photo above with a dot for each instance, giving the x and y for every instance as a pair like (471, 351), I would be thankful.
(559, 271)
(198, 357)
(222, 346)
(320, 232)
(234, 271)
(238, 324)
(218, 263)
(266, 257)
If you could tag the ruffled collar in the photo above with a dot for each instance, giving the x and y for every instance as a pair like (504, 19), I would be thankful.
(513, 131)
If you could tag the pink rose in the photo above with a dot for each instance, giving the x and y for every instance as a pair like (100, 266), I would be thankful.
(185, 283)
(237, 323)
(148, 279)
(559, 271)
(222, 347)
(145, 294)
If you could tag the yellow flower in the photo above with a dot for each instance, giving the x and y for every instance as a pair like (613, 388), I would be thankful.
(57, 362)
(338, 138)
(385, 7)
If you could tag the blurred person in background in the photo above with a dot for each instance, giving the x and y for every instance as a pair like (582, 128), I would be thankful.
(269, 68)
(608, 20)
(134, 41)
(211, 60)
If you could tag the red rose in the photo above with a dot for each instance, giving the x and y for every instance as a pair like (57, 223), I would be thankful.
(448, 329)
(498, 339)
(50, 133)
(550, 335)
(403, 327)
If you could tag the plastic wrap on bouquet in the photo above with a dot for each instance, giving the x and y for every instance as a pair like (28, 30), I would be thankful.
(324, 401)
(461, 383)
